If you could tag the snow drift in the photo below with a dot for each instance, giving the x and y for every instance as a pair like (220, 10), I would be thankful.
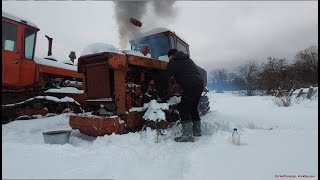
(274, 141)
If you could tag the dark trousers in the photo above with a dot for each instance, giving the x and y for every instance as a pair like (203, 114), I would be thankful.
(188, 106)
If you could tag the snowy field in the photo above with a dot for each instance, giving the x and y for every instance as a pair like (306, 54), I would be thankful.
(276, 143)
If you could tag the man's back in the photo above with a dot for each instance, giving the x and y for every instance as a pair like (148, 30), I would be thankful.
(185, 71)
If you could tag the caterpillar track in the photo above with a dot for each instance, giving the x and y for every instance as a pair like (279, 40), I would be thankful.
(38, 107)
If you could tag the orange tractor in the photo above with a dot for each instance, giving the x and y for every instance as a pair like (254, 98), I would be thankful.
(118, 85)
(27, 81)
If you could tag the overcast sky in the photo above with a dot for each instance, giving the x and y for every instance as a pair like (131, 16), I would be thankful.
(220, 33)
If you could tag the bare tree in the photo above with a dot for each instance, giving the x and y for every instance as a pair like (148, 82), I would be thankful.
(249, 72)
(309, 57)
(275, 74)
(306, 66)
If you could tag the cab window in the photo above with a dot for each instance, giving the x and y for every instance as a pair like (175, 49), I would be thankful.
(159, 46)
(172, 42)
(182, 47)
(29, 42)
(9, 36)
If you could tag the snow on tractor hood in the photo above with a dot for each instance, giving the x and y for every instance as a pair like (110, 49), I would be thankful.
(46, 61)
(99, 47)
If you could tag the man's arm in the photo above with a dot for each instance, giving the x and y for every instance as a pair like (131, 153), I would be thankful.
(163, 77)
(170, 70)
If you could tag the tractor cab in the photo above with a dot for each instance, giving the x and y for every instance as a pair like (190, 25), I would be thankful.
(159, 42)
(18, 47)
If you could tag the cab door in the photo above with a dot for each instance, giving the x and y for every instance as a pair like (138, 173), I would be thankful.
(28, 73)
(11, 53)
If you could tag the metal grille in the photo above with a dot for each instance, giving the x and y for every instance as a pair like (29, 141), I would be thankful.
(98, 81)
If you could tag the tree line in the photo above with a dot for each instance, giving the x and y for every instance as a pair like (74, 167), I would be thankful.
(272, 75)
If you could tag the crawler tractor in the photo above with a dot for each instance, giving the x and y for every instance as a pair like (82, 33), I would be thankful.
(118, 84)
(27, 81)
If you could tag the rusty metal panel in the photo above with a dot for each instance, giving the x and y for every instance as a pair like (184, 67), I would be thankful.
(134, 120)
(117, 61)
(98, 81)
(59, 71)
(120, 91)
(146, 62)
(90, 59)
(96, 126)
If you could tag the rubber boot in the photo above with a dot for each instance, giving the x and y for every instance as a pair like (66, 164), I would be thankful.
(197, 128)
(186, 133)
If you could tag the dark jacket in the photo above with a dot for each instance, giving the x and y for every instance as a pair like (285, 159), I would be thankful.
(185, 71)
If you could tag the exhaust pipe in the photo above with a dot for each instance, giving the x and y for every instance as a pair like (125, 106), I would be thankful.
(50, 45)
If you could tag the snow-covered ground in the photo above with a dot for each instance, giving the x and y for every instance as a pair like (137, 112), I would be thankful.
(276, 143)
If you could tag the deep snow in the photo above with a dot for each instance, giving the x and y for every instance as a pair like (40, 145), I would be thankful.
(274, 141)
